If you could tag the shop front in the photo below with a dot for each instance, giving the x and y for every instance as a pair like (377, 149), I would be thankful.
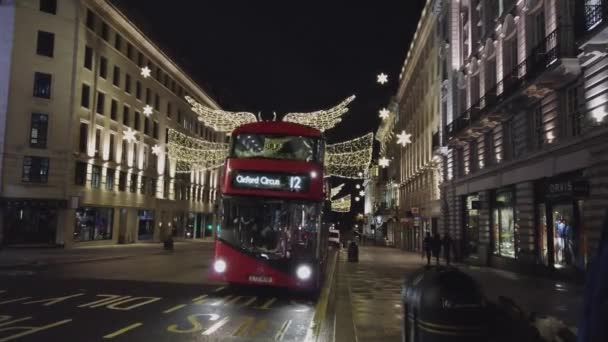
(470, 228)
(93, 224)
(560, 225)
(145, 225)
(503, 229)
(30, 221)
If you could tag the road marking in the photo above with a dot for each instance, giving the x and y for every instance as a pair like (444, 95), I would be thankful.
(236, 299)
(219, 289)
(194, 322)
(52, 301)
(281, 333)
(247, 328)
(259, 327)
(175, 308)
(241, 329)
(215, 327)
(5, 318)
(222, 301)
(267, 305)
(147, 300)
(123, 330)
(200, 299)
(14, 300)
(15, 321)
(29, 330)
(109, 299)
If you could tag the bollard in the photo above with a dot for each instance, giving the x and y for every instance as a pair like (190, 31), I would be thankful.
(442, 304)
(168, 244)
(353, 252)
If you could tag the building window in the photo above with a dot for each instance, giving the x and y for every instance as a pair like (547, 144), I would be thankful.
(155, 130)
(35, 169)
(98, 142)
(125, 115)
(48, 6)
(152, 187)
(110, 173)
(80, 173)
(142, 189)
(169, 109)
(91, 19)
(130, 51)
(133, 184)
(83, 138)
(38, 130)
(116, 76)
(122, 181)
(125, 153)
(103, 67)
(85, 97)
(42, 85)
(127, 83)
(503, 223)
(88, 57)
(147, 126)
(111, 147)
(539, 127)
(113, 109)
(156, 102)
(105, 31)
(135, 155)
(138, 90)
(140, 59)
(96, 177)
(93, 224)
(118, 41)
(46, 44)
(136, 121)
(148, 96)
(101, 103)
(575, 119)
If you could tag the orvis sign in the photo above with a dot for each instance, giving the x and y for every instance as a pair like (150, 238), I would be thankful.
(272, 181)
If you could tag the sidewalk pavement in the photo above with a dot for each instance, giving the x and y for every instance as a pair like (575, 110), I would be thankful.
(11, 258)
(373, 286)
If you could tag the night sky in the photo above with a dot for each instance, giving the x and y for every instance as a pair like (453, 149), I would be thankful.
(287, 56)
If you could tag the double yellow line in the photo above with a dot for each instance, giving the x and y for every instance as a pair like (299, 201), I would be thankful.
(321, 307)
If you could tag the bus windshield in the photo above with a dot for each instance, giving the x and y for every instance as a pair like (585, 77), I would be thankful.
(276, 147)
(271, 229)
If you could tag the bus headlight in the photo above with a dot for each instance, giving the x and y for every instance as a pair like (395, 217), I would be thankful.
(219, 266)
(304, 272)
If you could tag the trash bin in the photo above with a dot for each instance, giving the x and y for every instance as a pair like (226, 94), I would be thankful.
(353, 252)
(443, 304)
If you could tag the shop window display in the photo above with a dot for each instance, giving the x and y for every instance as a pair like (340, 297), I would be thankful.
(93, 224)
(503, 224)
(471, 232)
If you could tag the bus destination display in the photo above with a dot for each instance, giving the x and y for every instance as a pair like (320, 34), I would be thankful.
(271, 181)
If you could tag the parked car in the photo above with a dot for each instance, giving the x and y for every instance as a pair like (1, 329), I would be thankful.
(334, 237)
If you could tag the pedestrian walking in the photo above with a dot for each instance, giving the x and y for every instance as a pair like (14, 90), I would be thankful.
(428, 247)
(436, 245)
(447, 247)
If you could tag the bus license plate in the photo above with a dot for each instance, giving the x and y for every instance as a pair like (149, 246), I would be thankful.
(260, 279)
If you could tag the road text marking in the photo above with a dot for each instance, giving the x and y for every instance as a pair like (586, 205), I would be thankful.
(175, 308)
(27, 330)
(52, 301)
(123, 330)
(215, 327)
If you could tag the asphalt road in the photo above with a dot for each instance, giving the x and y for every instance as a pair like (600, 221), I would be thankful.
(154, 296)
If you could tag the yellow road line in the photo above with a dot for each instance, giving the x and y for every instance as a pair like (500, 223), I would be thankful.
(199, 299)
(219, 289)
(241, 329)
(267, 304)
(123, 330)
(215, 327)
(321, 307)
(281, 333)
(33, 330)
(15, 321)
(14, 300)
(175, 308)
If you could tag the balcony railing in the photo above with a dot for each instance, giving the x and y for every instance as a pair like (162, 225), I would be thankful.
(546, 53)
(595, 15)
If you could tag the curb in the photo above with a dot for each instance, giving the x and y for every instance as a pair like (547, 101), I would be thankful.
(319, 319)
(66, 262)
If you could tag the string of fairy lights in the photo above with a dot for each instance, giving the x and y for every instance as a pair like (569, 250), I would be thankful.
(342, 204)
(322, 119)
(336, 190)
(350, 159)
(194, 154)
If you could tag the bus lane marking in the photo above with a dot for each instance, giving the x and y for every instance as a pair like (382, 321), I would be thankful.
(222, 301)
(236, 299)
(250, 327)
(146, 300)
(215, 327)
(26, 330)
(195, 324)
(53, 301)
(219, 289)
(107, 300)
(200, 299)
(175, 308)
(281, 333)
(266, 305)
(123, 330)
(14, 300)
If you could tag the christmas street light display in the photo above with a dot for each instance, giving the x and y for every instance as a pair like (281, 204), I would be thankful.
(145, 72)
(404, 138)
(341, 205)
(384, 113)
(349, 159)
(321, 119)
(191, 153)
(148, 110)
(384, 162)
(129, 135)
(336, 190)
(220, 120)
(382, 78)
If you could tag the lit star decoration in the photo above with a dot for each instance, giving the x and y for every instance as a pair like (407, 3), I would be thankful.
(404, 138)
(146, 72)
(148, 110)
(341, 205)
(384, 162)
(384, 113)
(349, 159)
(129, 135)
(156, 150)
(382, 78)
(361, 193)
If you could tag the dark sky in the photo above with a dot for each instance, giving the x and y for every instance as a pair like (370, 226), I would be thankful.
(287, 56)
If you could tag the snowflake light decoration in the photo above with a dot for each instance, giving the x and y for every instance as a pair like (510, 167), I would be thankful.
(349, 159)
(384, 162)
(382, 78)
(156, 150)
(129, 135)
(384, 113)
(148, 110)
(322, 119)
(404, 138)
(361, 193)
(145, 72)
(341, 205)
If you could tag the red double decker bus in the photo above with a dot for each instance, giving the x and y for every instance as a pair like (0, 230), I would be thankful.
(270, 230)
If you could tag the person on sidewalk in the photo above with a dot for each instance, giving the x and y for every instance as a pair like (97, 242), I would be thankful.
(447, 247)
(436, 247)
(594, 323)
(427, 244)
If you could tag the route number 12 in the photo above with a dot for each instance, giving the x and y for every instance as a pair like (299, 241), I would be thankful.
(295, 183)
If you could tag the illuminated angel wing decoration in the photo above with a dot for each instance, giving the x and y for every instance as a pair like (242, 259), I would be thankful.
(341, 205)
(220, 120)
(322, 119)
(335, 191)
(191, 154)
(350, 159)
